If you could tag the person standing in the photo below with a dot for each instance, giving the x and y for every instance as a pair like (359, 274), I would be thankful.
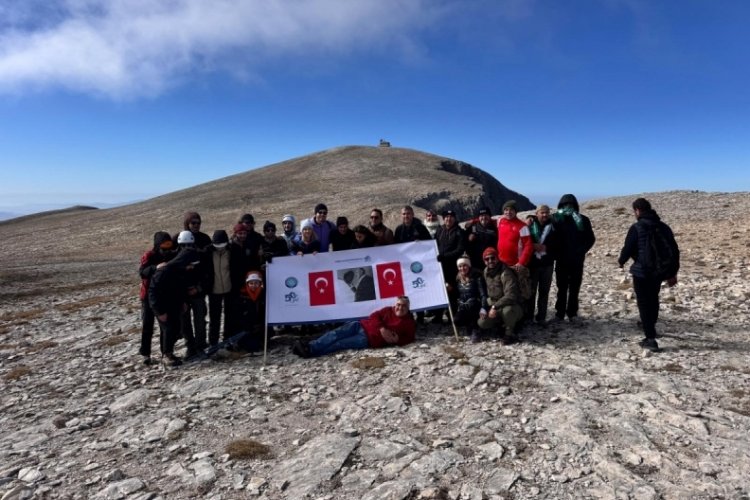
(220, 287)
(161, 252)
(290, 231)
(656, 258)
(410, 229)
(573, 238)
(167, 296)
(451, 244)
(321, 226)
(383, 234)
(481, 235)
(541, 265)
(431, 222)
(343, 237)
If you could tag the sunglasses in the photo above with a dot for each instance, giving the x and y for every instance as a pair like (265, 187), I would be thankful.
(195, 222)
(269, 230)
(322, 212)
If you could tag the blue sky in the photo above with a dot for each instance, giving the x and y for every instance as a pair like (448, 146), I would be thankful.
(109, 101)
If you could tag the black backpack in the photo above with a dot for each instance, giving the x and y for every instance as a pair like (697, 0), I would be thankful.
(660, 259)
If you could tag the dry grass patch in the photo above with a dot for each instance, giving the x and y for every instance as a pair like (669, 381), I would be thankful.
(248, 449)
(113, 340)
(17, 372)
(82, 304)
(621, 211)
(732, 368)
(41, 345)
(368, 362)
(673, 367)
(26, 315)
(7, 347)
(593, 206)
(454, 353)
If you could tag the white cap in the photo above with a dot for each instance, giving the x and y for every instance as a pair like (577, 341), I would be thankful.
(185, 237)
(253, 277)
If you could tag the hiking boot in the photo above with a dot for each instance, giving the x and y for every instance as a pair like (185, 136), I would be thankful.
(575, 320)
(509, 339)
(476, 336)
(556, 320)
(148, 361)
(170, 360)
(649, 344)
(302, 349)
(195, 355)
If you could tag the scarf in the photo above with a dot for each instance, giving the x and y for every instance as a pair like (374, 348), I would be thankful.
(569, 211)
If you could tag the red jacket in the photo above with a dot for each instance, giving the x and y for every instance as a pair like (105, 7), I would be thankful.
(405, 327)
(514, 244)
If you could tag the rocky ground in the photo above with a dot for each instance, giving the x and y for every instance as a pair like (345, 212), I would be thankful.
(572, 411)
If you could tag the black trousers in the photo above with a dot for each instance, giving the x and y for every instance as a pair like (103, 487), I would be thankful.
(568, 277)
(541, 282)
(215, 303)
(169, 330)
(147, 328)
(647, 298)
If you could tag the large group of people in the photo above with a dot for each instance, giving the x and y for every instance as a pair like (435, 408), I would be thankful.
(498, 275)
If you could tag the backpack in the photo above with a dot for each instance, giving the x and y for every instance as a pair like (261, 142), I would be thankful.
(660, 259)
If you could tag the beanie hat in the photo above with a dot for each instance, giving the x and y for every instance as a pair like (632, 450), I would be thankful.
(288, 218)
(161, 238)
(340, 221)
(220, 238)
(239, 227)
(269, 225)
(188, 217)
(306, 223)
(464, 259)
(489, 251)
(510, 204)
(320, 206)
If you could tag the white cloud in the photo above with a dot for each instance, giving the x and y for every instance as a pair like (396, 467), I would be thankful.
(131, 48)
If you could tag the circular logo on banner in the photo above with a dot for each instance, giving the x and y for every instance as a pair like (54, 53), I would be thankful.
(416, 267)
(291, 282)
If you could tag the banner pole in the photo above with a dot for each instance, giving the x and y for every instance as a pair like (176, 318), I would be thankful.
(453, 323)
(265, 318)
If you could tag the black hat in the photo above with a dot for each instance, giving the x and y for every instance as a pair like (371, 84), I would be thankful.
(269, 225)
(510, 204)
(220, 237)
(320, 206)
(248, 219)
(484, 211)
(448, 212)
(340, 221)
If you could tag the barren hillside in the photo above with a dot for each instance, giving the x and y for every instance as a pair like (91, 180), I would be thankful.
(350, 180)
(573, 411)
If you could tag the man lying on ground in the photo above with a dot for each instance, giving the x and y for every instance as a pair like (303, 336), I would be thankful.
(387, 326)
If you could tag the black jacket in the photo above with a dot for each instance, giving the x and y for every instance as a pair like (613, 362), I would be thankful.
(413, 232)
(167, 291)
(636, 243)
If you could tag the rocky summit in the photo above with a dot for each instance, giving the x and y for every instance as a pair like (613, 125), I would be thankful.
(573, 411)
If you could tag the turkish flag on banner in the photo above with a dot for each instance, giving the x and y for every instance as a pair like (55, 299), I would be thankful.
(390, 280)
(321, 288)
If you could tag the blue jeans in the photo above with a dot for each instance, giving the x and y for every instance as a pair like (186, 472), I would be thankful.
(348, 336)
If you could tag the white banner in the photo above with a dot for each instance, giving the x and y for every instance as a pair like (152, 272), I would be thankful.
(351, 284)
